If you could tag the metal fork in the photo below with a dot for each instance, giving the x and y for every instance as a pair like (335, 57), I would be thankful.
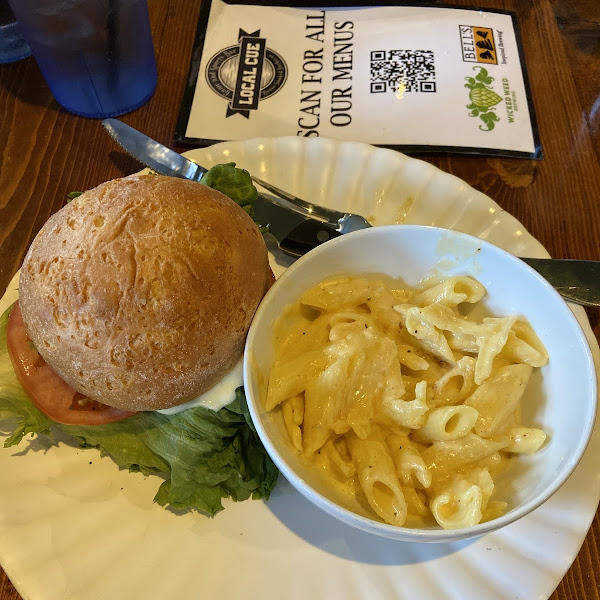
(346, 221)
(575, 280)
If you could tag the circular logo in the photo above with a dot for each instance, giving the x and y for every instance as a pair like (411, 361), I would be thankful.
(222, 70)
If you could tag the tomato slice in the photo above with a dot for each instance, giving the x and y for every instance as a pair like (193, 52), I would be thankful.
(53, 396)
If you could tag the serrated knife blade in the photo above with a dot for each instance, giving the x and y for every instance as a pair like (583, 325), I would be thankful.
(151, 153)
(296, 229)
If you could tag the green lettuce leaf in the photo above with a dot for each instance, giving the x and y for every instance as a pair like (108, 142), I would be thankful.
(233, 182)
(202, 455)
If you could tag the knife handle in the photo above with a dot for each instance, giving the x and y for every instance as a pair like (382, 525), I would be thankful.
(306, 236)
(575, 280)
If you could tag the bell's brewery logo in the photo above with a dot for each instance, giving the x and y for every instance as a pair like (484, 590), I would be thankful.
(246, 73)
(478, 44)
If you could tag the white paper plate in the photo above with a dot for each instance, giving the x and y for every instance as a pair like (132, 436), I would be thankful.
(74, 527)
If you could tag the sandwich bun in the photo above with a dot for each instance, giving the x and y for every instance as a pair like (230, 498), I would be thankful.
(140, 292)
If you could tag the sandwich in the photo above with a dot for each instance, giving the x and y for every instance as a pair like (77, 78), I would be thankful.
(134, 301)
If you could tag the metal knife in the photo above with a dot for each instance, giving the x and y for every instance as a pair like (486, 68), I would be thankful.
(301, 226)
(575, 280)
(282, 213)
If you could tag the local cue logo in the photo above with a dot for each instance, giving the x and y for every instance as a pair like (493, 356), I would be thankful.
(246, 73)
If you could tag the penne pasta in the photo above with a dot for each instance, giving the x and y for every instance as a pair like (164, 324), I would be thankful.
(416, 507)
(410, 466)
(491, 340)
(290, 378)
(410, 358)
(336, 295)
(324, 404)
(459, 506)
(456, 384)
(451, 292)
(378, 479)
(293, 416)
(524, 346)
(344, 324)
(400, 400)
(339, 457)
(426, 335)
(443, 458)
(463, 501)
(381, 307)
(524, 440)
(498, 397)
(447, 423)
(394, 410)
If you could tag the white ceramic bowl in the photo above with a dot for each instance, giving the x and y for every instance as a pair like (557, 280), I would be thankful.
(561, 397)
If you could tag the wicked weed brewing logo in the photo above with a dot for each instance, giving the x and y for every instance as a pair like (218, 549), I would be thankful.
(246, 73)
(483, 98)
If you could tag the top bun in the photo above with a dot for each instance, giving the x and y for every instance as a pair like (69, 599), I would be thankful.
(140, 292)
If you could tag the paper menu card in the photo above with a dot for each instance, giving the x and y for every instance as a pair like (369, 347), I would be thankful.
(416, 78)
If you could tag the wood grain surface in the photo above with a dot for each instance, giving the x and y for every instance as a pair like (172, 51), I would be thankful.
(45, 153)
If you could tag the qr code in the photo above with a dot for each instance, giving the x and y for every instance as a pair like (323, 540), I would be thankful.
(402, 71)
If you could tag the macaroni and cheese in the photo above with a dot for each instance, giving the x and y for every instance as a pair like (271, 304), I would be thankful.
(402, 400)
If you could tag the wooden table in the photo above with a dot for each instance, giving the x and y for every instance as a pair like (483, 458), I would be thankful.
(46, 153)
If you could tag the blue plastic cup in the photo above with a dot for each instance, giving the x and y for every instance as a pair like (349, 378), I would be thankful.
(96, 56)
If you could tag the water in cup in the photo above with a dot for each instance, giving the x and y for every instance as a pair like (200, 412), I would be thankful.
(96, 56)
